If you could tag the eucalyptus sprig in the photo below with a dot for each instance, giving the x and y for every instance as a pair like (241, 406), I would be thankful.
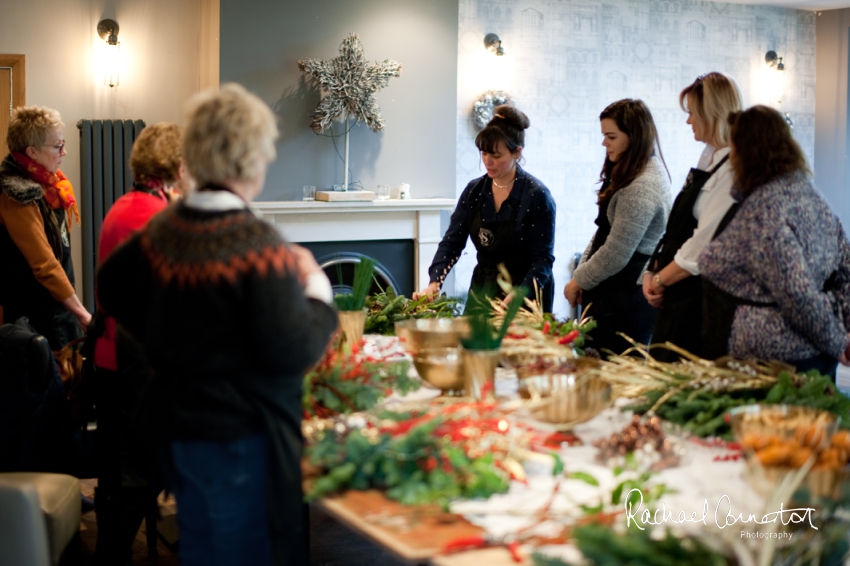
(363, 273)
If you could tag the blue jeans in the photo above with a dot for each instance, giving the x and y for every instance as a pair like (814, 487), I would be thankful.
(221, 502)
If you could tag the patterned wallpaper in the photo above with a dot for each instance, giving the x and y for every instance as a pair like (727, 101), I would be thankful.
(568, 59)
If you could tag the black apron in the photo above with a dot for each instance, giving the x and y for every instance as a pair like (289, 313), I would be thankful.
(718, 306)
(618, 304)
(496, 242)
(680, 318)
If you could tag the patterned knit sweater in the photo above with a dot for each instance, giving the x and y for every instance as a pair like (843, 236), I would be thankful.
(215, 299)
(638, 215)
(782, 246)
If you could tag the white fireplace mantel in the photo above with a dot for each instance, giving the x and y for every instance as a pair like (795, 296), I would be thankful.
(413, 219)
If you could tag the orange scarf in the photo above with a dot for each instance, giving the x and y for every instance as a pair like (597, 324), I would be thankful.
(58, 190)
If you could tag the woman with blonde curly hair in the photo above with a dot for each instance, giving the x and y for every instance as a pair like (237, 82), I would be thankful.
(37, 209)
(230, 318)
(672, 282)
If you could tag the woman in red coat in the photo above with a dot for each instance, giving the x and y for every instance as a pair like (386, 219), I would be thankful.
(124, 463)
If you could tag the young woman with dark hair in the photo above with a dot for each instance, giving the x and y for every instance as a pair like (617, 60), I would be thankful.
(776, 276)
(634, 202)
(508, 214)
(672, 283)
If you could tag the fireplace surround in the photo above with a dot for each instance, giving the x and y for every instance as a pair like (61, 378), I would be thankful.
(327, 227)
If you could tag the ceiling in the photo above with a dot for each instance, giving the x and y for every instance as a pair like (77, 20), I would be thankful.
(813, 5)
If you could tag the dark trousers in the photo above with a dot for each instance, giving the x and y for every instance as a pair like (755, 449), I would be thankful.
(220, 489)
(626, 312)
(126, 486)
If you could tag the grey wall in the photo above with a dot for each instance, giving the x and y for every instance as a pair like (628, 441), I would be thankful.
(568, 59)
(831, 142)
(261, 40)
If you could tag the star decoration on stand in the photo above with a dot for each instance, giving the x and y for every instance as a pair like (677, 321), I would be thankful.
(348, 83)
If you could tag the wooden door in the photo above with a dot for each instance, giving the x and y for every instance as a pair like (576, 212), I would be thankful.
(12, 93)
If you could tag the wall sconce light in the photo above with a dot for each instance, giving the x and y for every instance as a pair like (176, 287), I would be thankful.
(775, 76)
(108, 30)
(494, 44)
(774, 61)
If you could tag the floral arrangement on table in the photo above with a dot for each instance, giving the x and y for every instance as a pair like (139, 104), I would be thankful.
(386, 308)
(434, 454)
(537, 334)
(698, 394)
(346, 381)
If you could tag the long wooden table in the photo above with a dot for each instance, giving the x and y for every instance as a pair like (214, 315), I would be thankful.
(415, 533)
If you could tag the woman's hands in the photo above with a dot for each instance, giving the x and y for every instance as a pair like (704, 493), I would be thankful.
(431, 291)
(573, 293)
(76, 307)
(653, 294)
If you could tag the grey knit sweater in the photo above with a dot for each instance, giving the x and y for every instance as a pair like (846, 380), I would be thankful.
(638, 215)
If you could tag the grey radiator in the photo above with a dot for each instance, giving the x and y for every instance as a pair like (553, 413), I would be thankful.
(104, 177)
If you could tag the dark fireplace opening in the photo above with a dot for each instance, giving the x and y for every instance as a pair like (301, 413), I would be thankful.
(395, 263)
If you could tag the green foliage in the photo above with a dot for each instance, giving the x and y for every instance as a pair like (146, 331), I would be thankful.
(363, 272)
(602, 546)
(701, 412)
(482, 334)
(810, 390)
(386, 308)
(340, 385)
(414, 468)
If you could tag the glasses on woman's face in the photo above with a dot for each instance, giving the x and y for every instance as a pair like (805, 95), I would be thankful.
(58, 147)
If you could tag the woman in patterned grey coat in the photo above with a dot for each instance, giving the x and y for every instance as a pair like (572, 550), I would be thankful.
(778, 270)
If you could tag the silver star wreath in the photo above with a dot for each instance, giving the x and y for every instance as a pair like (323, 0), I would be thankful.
(348, 83)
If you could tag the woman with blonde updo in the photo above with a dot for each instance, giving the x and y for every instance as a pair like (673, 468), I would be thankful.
(37, 209)
(508, 214)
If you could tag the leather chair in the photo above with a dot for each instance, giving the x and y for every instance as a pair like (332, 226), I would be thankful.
(39, 517)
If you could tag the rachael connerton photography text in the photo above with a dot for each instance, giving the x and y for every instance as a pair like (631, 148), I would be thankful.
(723, 514)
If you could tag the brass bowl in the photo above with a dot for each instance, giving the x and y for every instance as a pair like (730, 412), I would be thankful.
(778, 420)
(564, 399)
(417, 334)
(441, 367)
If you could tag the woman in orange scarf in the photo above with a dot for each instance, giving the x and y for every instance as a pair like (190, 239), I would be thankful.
(37, 208)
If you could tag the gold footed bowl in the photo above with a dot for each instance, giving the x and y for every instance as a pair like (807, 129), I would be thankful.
(442, 368)
(417, 334)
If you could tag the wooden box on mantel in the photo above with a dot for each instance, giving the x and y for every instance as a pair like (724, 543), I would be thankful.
(341, 196)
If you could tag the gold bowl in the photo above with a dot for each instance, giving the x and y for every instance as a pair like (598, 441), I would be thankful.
(564, 399)
(441, 367)
(417, 334)
(778, 420)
